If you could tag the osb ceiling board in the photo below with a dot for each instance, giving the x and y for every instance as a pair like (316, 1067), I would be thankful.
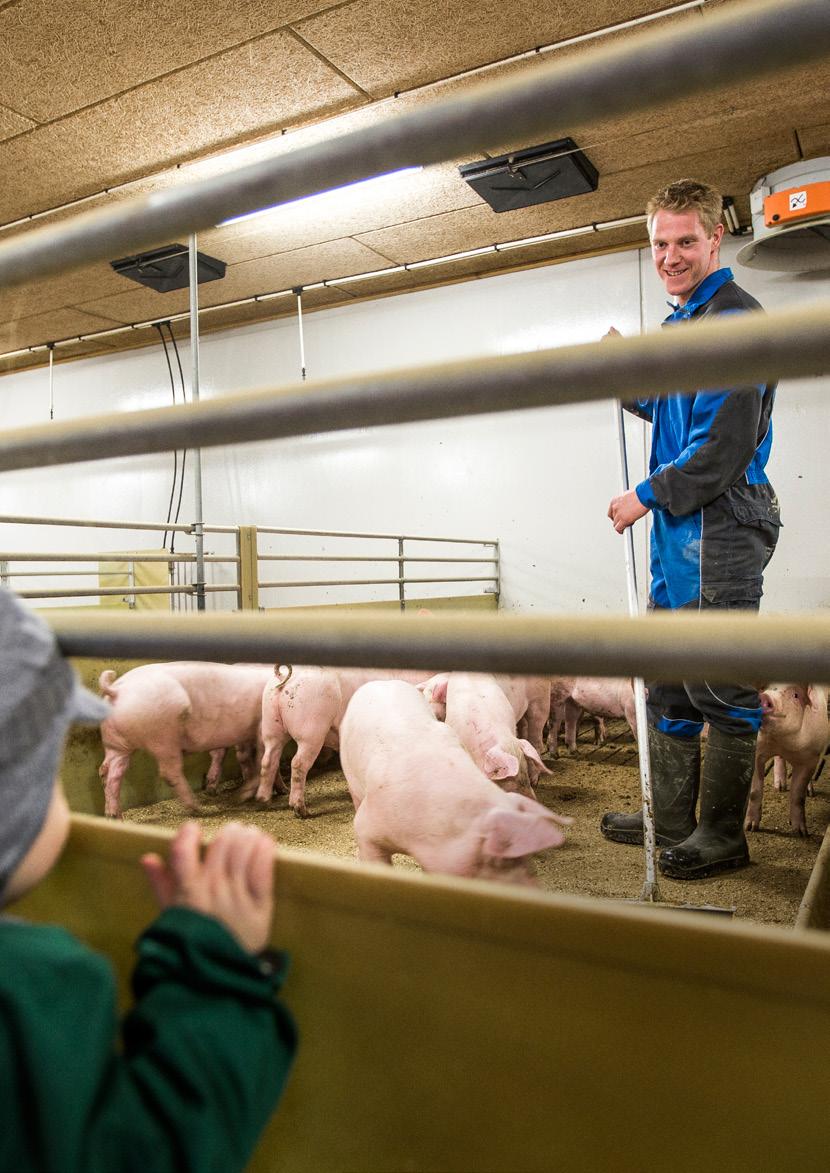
(623, 194)
(90, 51)
(64, 322)
(140, 111)
(265, 274)
(12, 123)
(391, 45)
(335, 215)
(245, 91)
(815, 140)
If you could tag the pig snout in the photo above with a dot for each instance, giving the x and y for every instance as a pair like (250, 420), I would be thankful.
(768, 706)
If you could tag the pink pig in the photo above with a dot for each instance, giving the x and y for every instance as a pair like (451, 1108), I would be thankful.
(529, 698)
(794, 727)
(416, 791)
(599, 696)
(485, 721)
(177, 708)
(307, 703)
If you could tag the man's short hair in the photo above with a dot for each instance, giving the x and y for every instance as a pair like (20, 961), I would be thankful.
(688, 195)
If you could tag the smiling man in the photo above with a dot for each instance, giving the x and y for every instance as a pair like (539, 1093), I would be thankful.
(715, 526)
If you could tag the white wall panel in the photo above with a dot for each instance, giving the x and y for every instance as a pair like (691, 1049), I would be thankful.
(540, 480)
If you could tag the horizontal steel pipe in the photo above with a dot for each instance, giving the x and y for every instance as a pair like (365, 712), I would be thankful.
(361, 558)
(343, 533)
(323, 582)
(714, 647)
(745, 348)
(114, 556)
(542, 102)
(81, 523)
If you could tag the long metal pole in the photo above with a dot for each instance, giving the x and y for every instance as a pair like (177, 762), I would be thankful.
(743, 349)
(651, 891)
(198, 524)
(299, 294)
(51, 383)
(545, 99)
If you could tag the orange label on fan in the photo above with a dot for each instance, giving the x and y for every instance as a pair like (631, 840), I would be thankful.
(811, 199)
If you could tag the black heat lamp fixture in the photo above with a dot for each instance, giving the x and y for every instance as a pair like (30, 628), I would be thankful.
(167, 268)
(534, 175)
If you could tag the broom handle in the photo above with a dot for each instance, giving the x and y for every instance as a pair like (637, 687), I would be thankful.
(650, 890)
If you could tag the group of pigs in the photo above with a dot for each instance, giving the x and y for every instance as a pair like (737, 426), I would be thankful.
(441, 767)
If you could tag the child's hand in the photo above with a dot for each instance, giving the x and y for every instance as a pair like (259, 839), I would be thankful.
(234, 881)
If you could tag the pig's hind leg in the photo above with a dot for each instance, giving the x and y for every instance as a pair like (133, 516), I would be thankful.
(111, 771)
(798, 793)
(270, 777)
(170, 769)
(369, 848)
(301, 763)
(752, 821)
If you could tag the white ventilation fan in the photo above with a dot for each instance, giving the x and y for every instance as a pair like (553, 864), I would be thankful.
(791, 219)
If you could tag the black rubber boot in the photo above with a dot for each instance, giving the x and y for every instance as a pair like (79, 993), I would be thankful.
(675, 778)
(718, 842)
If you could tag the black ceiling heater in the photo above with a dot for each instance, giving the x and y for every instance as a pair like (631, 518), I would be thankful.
(534, 175)
(167, 268)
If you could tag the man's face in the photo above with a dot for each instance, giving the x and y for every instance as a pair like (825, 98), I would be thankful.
(683, 253)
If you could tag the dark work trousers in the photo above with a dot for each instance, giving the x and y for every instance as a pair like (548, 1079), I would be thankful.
(681, 709)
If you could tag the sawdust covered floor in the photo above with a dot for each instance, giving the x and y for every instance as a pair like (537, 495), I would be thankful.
(584, 786)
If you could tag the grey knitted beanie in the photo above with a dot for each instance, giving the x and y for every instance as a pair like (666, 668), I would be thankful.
(40, 696)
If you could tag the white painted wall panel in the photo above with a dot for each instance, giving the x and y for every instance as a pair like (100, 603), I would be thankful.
(540, 480)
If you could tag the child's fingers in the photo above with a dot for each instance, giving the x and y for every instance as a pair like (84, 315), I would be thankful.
(184, 857)
(241, 847)
(260, 874)
(159, 878)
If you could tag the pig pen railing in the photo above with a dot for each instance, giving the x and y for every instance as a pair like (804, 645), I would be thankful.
(245, 565)
(487, 993)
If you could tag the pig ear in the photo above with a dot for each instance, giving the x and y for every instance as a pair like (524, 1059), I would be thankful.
(439, 690)
(510, 833)
(530, 752)
(816, 698)
(498, 764)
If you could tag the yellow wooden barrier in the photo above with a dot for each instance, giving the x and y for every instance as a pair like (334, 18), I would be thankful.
(448, 1025)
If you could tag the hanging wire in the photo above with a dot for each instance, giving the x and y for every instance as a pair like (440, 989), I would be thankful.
(184, 450)
(158, 326)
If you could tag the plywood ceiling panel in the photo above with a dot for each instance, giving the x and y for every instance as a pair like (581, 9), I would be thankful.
(64, 322)
(12, 123)
(391, 45)
(155, 93)
(815, 140)
(624, 194)
(396, 201)
(166, 121)
(265, 274)
(57, 56)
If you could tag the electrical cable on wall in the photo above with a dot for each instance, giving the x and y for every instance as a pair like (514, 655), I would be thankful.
(175, 451)
(184, 450)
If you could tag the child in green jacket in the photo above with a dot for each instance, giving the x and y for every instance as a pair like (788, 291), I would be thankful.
(206, 1049)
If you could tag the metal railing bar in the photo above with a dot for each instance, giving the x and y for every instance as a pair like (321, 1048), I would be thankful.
(63, 573)
(713, 647)
(369, 581)
(743, 349)
(635, 73)
(341, 533)
(91, 592)
(115, 556)
(361, 558)
(84, 524)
